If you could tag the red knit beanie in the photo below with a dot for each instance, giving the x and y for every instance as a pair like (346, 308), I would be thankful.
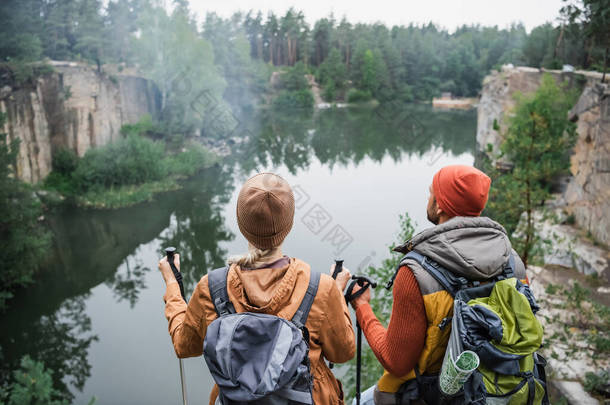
(461, 190)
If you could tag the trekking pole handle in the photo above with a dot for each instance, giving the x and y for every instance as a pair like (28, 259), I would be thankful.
(170, 252)
(364, 280)
(338, 268)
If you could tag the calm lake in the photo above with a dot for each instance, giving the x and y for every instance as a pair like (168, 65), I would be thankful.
(96, 318)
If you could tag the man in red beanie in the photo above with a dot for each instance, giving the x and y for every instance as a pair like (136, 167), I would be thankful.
(457, 191)
(470, 246)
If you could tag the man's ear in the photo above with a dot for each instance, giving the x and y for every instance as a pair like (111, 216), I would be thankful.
(439, 211)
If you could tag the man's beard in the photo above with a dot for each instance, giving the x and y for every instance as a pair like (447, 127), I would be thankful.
(432, 217)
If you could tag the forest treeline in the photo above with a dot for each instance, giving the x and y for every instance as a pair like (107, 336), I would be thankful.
(233, 56)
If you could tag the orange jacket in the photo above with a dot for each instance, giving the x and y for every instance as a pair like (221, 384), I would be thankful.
(276, 291)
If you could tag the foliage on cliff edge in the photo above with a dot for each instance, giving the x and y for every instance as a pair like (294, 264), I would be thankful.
(23, 239)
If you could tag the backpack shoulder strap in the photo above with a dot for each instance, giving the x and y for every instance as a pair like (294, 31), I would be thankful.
(449, 281)
(509, 269)
(300, 317)
(217, 283)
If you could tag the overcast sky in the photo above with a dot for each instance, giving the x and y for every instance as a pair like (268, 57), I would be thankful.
(447, 13)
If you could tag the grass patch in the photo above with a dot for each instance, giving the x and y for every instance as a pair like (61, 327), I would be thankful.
(125, 196)
(126, 172)
(583, 328)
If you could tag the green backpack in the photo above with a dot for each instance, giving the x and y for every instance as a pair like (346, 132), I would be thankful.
(491, 355)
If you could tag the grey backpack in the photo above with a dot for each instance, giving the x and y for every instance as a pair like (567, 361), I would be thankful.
(258, 358)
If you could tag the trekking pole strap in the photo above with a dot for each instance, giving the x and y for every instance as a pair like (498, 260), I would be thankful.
(178, 277)
(363, 282)
(170, 252)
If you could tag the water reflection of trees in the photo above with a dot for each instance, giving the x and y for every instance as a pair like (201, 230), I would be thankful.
(344, 136)
(282, 138)
(61, 340)
(200, 226)
(129, 280)
(48, 320)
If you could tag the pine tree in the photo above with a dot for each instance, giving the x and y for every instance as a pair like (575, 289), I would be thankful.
(60, 21)
(594, 15)
(90, 33)
(333, 69)
(537, 142)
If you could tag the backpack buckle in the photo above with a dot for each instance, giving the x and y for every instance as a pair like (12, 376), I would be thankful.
(221, 306)
(444, 322)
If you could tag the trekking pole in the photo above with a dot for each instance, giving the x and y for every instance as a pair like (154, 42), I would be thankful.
(169, 252)
(338, 269)
(358, 360)
(365, 283)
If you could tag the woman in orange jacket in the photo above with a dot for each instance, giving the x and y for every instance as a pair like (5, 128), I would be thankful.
(266, 281)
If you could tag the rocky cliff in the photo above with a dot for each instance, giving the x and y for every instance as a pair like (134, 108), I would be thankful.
(588, 192)
(74, 107)
(588, 189)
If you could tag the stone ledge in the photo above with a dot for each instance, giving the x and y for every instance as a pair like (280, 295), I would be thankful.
(573, 392)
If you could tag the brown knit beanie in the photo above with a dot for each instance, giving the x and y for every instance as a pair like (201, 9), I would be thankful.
(265, 210)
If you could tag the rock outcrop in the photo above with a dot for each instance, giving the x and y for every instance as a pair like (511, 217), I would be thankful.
(566, 246)
(569, 326)
(588, 192)
(74, 107)
(588, 189)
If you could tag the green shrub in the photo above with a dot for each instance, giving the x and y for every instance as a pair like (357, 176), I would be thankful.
(187, 163)
(294, 79)
(295, 91)
(61, 183)
(143, 126)
(294, 99)
(33, 385)
(131, 160)
(597, 382)
(125, 172)
(358, 96)
(330, 90)
(25, 71)
(64, 161)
